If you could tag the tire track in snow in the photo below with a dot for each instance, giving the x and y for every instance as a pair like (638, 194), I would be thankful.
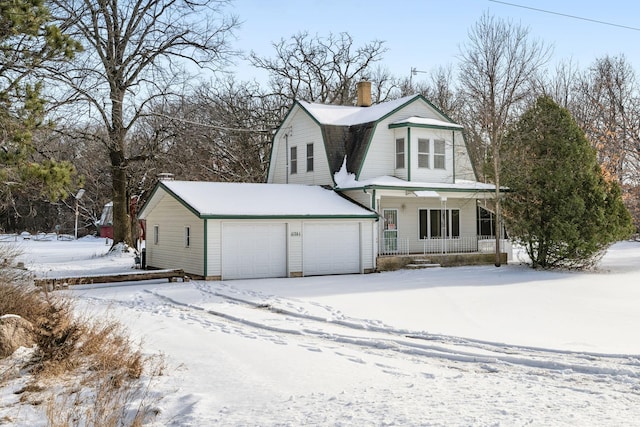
(507, 351)
(372, 337)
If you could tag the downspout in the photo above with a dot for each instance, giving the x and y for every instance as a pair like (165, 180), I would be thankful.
(361, 247)
(376, 228)
(408, 154)
(288, 244)
(453, 137)
(206, 262)
(286, 154)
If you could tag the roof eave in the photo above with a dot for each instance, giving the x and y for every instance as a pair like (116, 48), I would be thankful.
(424, 125)
(301, 216)
(421, 188)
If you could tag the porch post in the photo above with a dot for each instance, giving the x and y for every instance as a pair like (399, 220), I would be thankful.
(443, 223)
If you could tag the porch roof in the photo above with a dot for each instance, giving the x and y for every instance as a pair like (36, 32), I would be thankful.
(421, 189)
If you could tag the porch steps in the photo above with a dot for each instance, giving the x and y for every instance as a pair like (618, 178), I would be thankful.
(418, 263)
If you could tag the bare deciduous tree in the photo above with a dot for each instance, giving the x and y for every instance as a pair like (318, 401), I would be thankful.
(136, 51)
(320, 69)
(220, 133)
(607, 107)
(498, 67)
(561, 86)
(441, 91)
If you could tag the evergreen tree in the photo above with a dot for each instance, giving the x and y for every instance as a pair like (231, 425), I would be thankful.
(560, 206)
(28, 41)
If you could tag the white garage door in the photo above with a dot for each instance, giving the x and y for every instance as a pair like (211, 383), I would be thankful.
(331, 248)
(251, 251)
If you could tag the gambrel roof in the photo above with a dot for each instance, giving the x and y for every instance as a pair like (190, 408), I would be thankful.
(347, 130)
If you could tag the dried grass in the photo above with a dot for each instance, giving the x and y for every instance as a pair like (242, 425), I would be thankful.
(97, 372)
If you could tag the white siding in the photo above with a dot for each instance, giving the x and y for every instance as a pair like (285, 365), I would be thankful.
(214, 248)
(464, 169)
(171, 217)
(380, 159)
(432, 174)
(369, 245)
(298, 131)
(295, 247)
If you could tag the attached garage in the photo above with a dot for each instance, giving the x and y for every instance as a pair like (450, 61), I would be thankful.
(221, 231)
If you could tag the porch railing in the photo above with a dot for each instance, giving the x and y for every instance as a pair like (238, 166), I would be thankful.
(462, 244)
(451, 245)
(394, 246)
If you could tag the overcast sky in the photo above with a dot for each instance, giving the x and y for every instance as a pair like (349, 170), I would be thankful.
(424, 34)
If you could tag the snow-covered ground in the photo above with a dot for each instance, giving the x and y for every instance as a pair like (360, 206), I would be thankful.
(446, 346)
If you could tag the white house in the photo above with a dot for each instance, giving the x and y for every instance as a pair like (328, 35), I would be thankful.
(345, 184)
(403, 159)
(239, 230)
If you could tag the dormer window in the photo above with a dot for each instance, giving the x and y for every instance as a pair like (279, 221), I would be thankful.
(438, 154)
(400, 153)
(423, 153)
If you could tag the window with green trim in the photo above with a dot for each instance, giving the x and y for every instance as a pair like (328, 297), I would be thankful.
(438, 154)
(309, 157)
(423, 153)
(400, 153)
(293, 161)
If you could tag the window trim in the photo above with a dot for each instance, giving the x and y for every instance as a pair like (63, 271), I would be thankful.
(156, 234)
(310, 157)
(293, 160)
(187, 236)
(440, 156)
(423, 154)
(400, 155)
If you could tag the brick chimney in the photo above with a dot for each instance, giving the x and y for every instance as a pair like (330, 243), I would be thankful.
(364, 94)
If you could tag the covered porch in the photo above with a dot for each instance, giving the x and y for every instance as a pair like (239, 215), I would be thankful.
(432, 218)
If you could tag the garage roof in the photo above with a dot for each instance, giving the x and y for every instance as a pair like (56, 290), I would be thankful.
(248, 200)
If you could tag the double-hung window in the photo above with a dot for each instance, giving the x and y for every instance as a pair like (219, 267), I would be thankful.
(438, 154)
(400, 153)
(293, 161)
(423, 153)
(156, 234)
(309, 157)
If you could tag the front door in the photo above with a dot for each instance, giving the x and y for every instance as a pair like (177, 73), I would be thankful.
(390, 231)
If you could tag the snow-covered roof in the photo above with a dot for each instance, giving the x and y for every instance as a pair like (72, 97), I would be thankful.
(345, 180)
(224, 199)
(424, 121)
(341, 115)
(391, 181)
